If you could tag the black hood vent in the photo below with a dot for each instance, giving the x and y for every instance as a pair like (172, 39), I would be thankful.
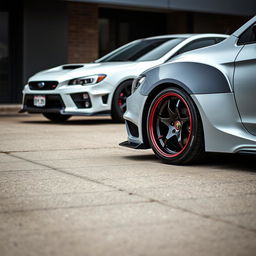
(72, 66)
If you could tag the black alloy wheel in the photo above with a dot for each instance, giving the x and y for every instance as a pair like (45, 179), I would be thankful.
(174, 127)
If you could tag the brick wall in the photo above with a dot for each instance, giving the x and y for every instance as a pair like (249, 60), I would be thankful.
(83, 33)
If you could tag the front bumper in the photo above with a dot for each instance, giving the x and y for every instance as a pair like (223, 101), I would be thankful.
(134, 121)
(71, 100)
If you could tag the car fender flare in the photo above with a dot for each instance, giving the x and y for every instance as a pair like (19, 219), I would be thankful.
(194, 78)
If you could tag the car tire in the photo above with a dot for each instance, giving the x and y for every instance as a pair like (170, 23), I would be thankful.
(119, 101)
(174, 128)
(56, 117)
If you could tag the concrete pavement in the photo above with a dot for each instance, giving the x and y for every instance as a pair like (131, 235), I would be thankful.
(69, 189)
(9, 109)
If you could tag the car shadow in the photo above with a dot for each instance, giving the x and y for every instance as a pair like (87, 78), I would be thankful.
(149, 157)
(234, 162)
(71, 122)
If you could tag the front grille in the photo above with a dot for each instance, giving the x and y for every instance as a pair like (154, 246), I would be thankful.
(53, 101)
(43, 85)
(133, 129)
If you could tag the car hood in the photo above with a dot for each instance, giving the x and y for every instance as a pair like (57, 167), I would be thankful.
(70, 71)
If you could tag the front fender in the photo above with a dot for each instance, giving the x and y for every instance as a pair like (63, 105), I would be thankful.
(195, 78)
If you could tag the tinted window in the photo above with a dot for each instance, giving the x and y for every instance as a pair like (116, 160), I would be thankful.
(144, 50)
(249, 36)
(161, 50)
(197, 44)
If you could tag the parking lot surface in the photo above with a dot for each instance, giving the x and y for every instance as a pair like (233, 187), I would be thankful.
(69, 189)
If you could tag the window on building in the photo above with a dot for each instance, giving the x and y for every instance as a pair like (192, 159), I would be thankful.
(118, 27)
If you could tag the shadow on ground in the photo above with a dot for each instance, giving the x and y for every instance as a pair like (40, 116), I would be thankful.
(239, 162)
(149, 157)
(72, 122)
(236, 162)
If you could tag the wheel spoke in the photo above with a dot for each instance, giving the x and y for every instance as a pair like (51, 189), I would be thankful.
(180, 140)
(177, 109)
(165, 120)
(184, 119)
(170, 112)
(170, 135)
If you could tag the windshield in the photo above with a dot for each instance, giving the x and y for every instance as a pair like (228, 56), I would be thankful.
(144, 50)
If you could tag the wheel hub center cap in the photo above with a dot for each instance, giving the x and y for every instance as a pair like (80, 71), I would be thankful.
(177, 125)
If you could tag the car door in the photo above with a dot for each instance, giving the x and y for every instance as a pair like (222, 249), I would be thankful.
(245, 79)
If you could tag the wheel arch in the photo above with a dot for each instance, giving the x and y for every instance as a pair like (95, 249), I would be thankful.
(116, 111)
(119, 84)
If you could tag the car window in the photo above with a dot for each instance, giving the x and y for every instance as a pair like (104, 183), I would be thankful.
(197, 44)
(161, 50)
(200, 43)
(144, 50)
(248, 36)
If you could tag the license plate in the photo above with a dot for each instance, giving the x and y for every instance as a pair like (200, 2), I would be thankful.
(39, 101)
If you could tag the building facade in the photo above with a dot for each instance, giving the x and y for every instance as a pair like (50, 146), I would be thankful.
(36, 35)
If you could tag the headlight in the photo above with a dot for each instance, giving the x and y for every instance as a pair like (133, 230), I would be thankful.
(87, 80)
(137, 83)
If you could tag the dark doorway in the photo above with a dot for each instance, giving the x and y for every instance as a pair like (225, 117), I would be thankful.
(118, 27)
(10, 52)
(5, 89)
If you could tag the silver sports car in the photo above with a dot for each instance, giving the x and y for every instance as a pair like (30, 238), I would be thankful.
(202, 101)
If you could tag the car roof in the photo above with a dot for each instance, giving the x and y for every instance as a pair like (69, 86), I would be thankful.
(185, 36)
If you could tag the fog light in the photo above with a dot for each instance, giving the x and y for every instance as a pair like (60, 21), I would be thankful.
(85, 96)
(82, 100)
(87, 104)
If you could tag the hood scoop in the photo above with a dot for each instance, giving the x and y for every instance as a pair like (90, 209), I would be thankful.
(71, 67)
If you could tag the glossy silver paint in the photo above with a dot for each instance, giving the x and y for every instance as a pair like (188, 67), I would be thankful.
(228, 116)
(245, 86)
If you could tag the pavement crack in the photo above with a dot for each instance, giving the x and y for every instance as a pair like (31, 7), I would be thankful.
(59, 149)
(62, 171)
(205, 216)
(72, 207)
(149, 199)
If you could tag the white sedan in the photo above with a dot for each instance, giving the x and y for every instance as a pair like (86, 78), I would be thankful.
(102, 87)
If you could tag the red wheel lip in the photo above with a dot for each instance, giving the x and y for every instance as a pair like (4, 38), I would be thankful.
(151, 127)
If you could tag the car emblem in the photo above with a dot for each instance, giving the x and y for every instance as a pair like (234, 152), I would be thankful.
(41, 84)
